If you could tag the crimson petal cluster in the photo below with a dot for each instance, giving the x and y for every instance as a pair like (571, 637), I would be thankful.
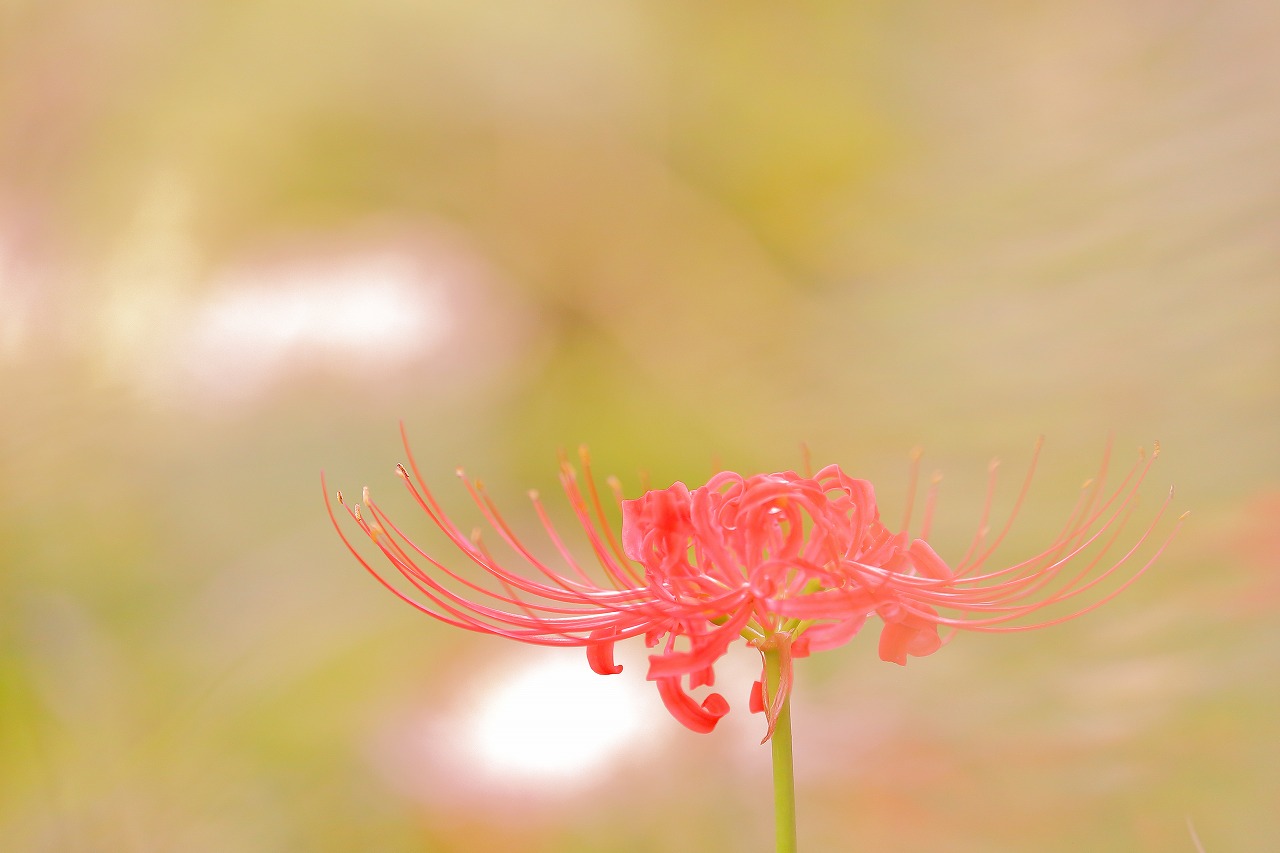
(790, 563)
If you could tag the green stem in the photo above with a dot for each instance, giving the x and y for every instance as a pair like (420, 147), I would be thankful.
(784, 784)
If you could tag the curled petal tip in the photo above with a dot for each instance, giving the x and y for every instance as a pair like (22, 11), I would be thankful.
(699, 717)
(600, 652)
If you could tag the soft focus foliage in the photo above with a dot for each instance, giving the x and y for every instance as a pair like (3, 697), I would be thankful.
(238, 242)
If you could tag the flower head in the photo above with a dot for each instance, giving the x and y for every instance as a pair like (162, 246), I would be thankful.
(791, 563)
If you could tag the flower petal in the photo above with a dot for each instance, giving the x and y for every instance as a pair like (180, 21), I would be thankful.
(600, 654)
(830, 635)
(906, 633)
(699, 718)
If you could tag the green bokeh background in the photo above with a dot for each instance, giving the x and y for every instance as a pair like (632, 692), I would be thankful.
(687, 234)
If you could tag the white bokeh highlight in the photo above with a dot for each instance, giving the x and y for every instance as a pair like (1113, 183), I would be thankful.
(532, 731)
(362, 311)
(553, 719)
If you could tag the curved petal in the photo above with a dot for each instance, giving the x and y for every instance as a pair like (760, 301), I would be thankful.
(707, 648)
(700, 718)
(830, 635)
(600, 654)
(907, 633)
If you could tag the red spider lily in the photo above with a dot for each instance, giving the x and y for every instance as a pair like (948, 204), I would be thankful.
(790, 563)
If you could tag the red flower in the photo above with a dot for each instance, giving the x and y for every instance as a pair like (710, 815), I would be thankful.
(788, 562)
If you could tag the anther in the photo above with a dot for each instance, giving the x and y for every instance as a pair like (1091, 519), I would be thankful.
(1155, 452)
(401, 472)
(366, 495)
(339, 494)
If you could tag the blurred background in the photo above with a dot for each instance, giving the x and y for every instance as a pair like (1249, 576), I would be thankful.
(239, 242)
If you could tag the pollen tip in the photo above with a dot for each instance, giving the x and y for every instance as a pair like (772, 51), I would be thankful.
(1155, 449)
(356, 510)
(584, 454)
(1039, 441)
(916, 453)
(993, 465)
(365, 494)
(936, 478)
(401, 472)
(475, 535)
(533, 495)
(1142, 453)
(612, 482)
(459, 472)
(1086, 484)
(1183, 517)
